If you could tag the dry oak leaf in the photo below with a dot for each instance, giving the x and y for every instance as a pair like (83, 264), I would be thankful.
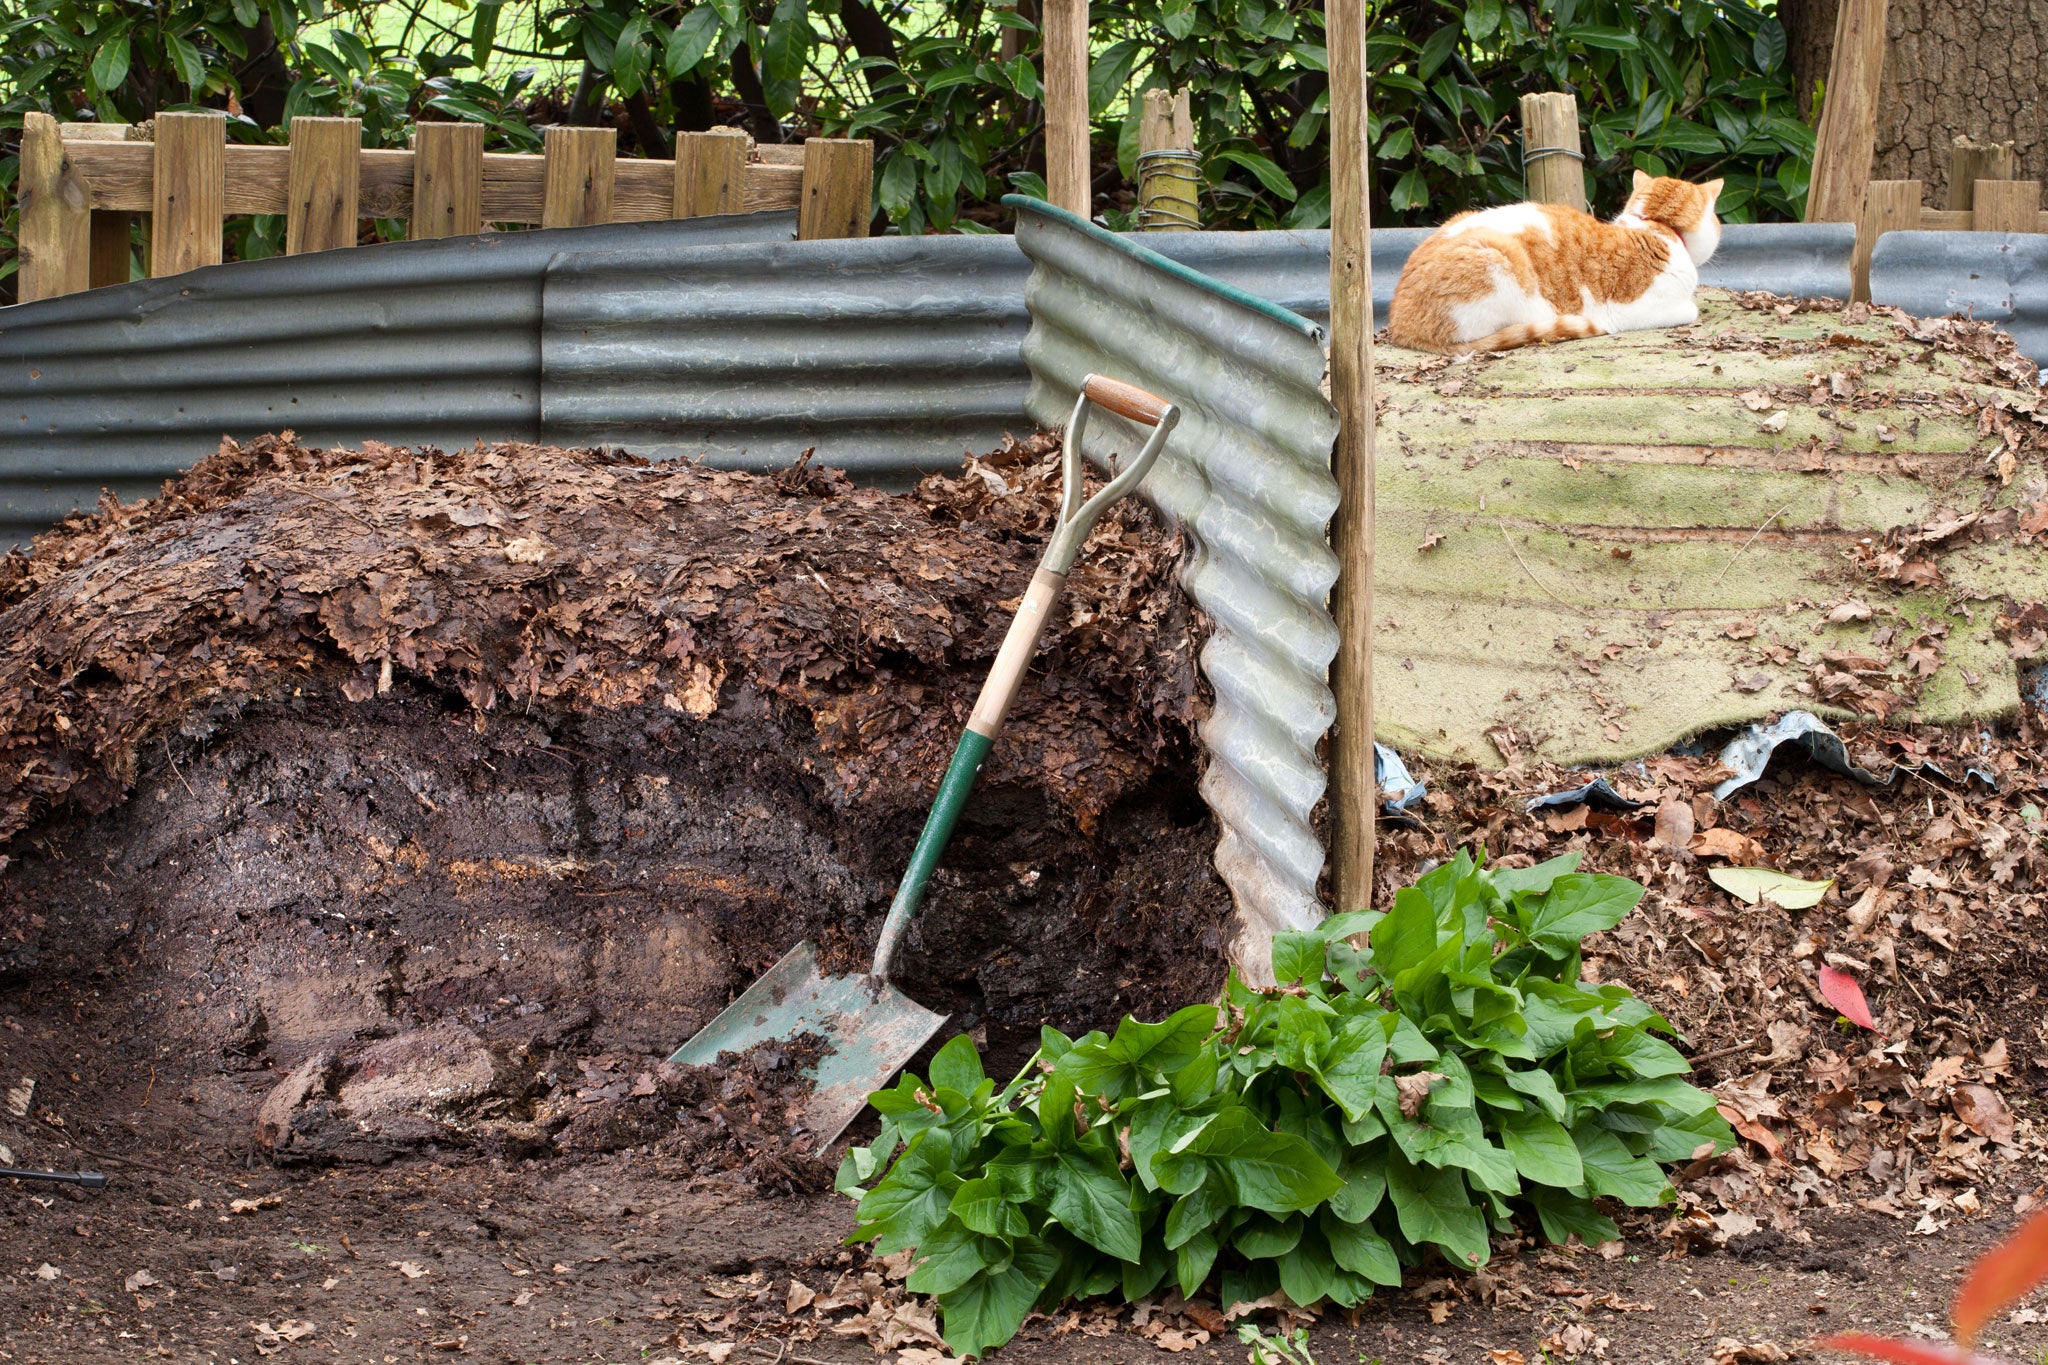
(1984, 1113)
(1509, 1357)
(1731, 845)
(1414, 1090)
(412, 1270)
(1734, 1351)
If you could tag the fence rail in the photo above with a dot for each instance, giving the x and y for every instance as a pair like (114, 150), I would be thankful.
(81, 184)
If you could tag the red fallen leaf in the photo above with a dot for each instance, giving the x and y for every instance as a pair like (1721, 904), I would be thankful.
(2010, 1270)
(1841, 991)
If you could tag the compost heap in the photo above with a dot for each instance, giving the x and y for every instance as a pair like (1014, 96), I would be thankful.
(457, 788)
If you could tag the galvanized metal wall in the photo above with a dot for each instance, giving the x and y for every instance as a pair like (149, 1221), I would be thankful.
(410, 342)
(715, 336)
(1247, 475)
(1993, 276)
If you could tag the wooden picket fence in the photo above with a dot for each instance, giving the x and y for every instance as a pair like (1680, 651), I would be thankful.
(82, 183)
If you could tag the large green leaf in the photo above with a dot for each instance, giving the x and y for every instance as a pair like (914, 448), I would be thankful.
(1407, 935)
(1360, 1249)
(1577, 905)
(986, 1206)
(951, 1255)
(987, 1311)
(1565, 1215)
(1091, 1200)
(1542, 1150)
(1434, 1206)
(1307, 1270)
(913, 1198)
(1611, 1169)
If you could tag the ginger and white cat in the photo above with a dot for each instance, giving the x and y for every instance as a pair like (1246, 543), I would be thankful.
(1533, 273)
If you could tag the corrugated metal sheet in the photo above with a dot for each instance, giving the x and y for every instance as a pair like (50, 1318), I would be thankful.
(409, 342)
(1247, 475)
(1996, 277)
(892, 356)
(713, 335)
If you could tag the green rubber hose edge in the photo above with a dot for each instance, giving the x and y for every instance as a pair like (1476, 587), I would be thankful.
(954, 789)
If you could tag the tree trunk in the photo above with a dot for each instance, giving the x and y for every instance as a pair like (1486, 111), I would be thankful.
(1951, 66)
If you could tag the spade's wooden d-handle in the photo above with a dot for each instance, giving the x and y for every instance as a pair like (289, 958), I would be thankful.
(1125, 400)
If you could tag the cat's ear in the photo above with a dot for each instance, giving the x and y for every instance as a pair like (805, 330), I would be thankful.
(1642, 183)
(1713, 190)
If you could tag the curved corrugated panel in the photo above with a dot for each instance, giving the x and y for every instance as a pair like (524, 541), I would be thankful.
(1999, 277)
(1247, 475)
(892, 356)
(409, 342)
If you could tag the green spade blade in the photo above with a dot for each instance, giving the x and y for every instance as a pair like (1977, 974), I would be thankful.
(871, 1030)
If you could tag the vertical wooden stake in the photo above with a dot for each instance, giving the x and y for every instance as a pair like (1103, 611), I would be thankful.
(1888, 206)
(325, 176)
(711, 172)
(2007, 206)
(1553, 157)
(580, 162)
(838, 188)
(1970, 161)
(1169, 175)
(1068, 180)
(1354, 792)
(191, 177)
(447, 180)
(56, 215)
(112, 230)
(1847, 136)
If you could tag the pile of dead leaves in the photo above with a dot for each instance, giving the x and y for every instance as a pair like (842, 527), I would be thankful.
(527, 578)
(1935, 906)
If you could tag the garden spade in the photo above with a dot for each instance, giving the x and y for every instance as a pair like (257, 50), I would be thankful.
(871, 1029)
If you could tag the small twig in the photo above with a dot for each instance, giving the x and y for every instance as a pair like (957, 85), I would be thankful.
(353, 1254)
(1718, 1053)
(148, 1090)
(1569, 606)
(1751, 541)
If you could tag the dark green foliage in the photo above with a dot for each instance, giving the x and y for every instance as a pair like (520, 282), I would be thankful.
(950, 92)
(1410, 1096)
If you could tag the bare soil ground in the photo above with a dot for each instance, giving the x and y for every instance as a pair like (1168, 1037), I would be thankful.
(360, 1000)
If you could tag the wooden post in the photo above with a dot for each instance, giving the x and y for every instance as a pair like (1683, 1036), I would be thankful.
(447, 180)
(1553, 156)
(1068, 180)
(2006, 206)
(56, 215)
(191, 179)
(1354, 792)
(322, 184)
(711, 172)
(1847, 136)
(1888, 206)
(838, 188)
(1169, 172)
(1970, 161)
(578, 184)
(112, 230)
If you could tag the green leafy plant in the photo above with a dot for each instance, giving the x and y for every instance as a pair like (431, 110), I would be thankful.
(1418, 1080)
(1286, 1348)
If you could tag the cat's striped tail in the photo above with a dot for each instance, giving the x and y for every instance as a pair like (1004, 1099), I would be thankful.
(1565, 327)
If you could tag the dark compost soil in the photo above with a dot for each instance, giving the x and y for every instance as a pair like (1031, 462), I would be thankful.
(378, 820)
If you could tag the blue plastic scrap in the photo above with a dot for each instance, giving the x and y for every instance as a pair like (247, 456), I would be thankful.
(1398, 788)
(1596, 794)
(1749, 753)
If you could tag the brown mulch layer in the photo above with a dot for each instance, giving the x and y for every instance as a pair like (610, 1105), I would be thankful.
(520, 578)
